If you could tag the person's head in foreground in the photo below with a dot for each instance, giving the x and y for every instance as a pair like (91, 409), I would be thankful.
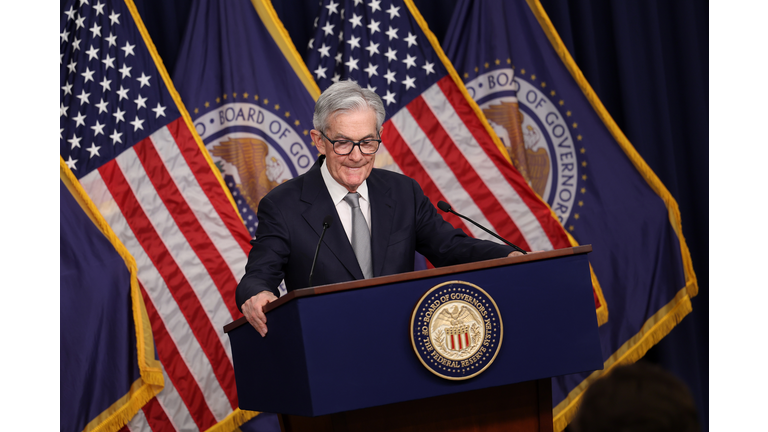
(640, 397)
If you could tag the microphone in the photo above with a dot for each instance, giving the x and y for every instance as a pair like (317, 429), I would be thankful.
(444, 206)
(326, 224)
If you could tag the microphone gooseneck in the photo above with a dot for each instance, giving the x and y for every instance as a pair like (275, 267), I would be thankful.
(444, 206)
(326, 224)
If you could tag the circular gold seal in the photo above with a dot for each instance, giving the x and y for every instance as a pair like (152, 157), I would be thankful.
(456, 330)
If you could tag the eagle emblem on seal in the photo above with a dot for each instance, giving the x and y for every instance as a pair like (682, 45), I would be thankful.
(257, 175)
(533, 165)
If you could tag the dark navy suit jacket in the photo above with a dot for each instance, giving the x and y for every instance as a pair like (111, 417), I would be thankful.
(402, 221)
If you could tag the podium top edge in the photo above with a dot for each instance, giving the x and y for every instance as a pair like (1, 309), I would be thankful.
(415, 275)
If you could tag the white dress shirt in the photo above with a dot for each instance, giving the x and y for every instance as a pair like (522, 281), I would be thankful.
(338, 192)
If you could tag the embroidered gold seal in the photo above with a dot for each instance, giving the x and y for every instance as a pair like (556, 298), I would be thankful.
(456, 330)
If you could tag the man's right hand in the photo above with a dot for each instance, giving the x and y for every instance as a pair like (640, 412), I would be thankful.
(254, 313)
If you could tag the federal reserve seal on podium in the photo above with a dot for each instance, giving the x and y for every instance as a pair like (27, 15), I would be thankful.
(456, 330)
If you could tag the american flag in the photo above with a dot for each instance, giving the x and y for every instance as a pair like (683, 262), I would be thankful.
(434, 133)
(127, 138)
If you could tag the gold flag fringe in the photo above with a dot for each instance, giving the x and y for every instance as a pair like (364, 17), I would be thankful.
(233, 421)
(122, 411)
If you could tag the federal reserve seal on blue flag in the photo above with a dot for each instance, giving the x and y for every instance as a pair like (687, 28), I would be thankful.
(518, 105)
(256, 148)
(456, 330)
(251, 103)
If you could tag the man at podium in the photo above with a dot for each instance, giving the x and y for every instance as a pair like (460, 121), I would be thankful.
(371, 221)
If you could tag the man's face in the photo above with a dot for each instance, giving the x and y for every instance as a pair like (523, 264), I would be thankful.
(351, 170)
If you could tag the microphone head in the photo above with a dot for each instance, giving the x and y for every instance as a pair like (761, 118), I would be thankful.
(444, 206)
(327, 221)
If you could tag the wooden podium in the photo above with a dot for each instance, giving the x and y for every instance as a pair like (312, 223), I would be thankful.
(340, 358)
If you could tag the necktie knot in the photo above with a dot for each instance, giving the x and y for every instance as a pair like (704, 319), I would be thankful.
(353, 199)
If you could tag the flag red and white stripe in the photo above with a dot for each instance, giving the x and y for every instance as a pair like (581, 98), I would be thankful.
(440, 141)
(164, 202)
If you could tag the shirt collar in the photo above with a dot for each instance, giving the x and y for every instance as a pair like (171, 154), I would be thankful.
(336, 190)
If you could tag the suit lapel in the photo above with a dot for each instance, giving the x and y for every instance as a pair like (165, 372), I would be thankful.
(382, 213)
(316, 195)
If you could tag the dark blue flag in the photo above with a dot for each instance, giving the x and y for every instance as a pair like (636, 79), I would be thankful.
(251, 100)
(250, 97)
(573, 155)
(106, 377)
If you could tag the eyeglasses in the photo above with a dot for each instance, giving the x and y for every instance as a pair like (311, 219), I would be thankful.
(345, 147)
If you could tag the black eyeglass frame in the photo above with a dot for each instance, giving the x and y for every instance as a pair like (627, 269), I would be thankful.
(354, 143)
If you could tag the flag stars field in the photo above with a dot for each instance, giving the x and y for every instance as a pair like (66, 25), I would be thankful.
(89, 76)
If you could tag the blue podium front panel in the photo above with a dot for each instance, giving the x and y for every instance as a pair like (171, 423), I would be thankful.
(352, 349)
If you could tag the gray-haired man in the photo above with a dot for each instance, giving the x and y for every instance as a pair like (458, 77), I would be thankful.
(380, 218)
